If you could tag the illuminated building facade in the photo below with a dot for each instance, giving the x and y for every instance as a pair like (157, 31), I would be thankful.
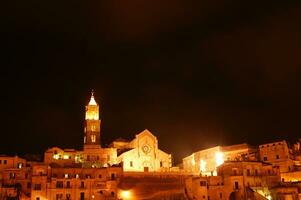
(206, 161)
(138, 169)
(142, 154)
(15, 177)
(277, 153)
(235, 180)
(56, 183)
(92, 155)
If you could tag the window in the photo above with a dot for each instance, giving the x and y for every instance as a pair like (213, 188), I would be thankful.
(204, 196)
(131, 163)
(59, 184)
(28, 185)
(59, 196)
(66, 175)
(26, 175)
(93, 128)
(37, 187)
(277, 156)
(113, 177)
(220, 195)
(99, 176)
(82, 184)
(68, 184)
(38, 198)
(12, 175)
(20, 165)
(256, 172)
(68, 196)
(93, 138)
(248, 172)
(265, 158)
(161, 164)
(236, 187)
(112, 194)
(82, 196)
(203, 183)
(0, 162)
(4, 162)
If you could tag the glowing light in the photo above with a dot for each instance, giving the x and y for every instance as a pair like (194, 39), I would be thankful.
(269, 197)
(125, 194)
(20, 165)
(66, 157)
(92, 100)
(56, 156)
(193, 162)
(219, 158)
(93, 196)
(203, 165)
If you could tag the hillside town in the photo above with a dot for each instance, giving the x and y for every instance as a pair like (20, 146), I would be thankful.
(138, 169)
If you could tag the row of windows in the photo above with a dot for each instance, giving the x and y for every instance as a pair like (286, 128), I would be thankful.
(75, 176)
(265, 158)
(59, 196)
(132, 164)
(3, 162)
(271, 145)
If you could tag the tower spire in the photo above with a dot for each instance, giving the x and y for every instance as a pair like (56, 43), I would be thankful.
(92, 125)
(92, 101)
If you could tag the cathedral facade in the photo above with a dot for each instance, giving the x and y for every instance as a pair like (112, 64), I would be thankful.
(142, 154)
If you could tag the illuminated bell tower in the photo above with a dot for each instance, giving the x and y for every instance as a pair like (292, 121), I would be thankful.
(92, 125)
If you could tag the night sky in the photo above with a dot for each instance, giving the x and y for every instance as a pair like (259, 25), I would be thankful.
(196, 73)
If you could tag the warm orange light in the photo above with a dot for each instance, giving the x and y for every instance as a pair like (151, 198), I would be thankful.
(203, 164)
(125, 194)
(92, 101)
(219, 158)
(92, 109)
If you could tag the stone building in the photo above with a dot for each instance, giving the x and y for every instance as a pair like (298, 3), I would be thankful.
(15, 177)
(235, 180)
(92, 155)
(138, 169)
(142, 154)
(278, 154)
(66, 183)
(206, 161)
(90, 173)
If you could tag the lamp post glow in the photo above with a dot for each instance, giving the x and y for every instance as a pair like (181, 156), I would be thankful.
(125, 194)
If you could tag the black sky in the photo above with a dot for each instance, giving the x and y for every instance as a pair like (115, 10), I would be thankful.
(195, 73)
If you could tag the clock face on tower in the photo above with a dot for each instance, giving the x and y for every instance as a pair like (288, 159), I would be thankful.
(146, 149)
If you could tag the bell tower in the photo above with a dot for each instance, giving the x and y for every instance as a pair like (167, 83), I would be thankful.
(92, 124)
